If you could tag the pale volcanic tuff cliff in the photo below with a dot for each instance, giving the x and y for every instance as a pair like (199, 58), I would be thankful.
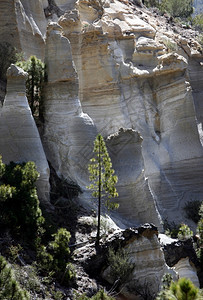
(133, 75)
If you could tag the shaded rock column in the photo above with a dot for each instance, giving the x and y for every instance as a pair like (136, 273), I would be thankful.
(19, 137)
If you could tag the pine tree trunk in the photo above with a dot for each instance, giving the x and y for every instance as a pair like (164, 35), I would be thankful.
(99, 201)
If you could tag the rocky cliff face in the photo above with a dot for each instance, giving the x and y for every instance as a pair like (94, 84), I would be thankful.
(112, 65)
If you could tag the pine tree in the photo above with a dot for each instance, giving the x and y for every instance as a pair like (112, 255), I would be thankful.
(19, 203)
(9, 287)
(183, 289)
(34, 83)
(102, 179)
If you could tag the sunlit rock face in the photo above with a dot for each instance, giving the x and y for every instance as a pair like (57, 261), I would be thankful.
(20, 140)
(27, 25)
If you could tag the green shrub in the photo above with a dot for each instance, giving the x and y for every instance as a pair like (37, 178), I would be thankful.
(171, 228)
(197, 22)
(184, 232)
(180, 231)
(200, 40)
(151, 3)
(56, 256)
(199, 247)
(183, 289)
(19, 203)
(100, 295)
(9, 287)
(192, 210)
(34, 83)
(177, 8)
(171, 46)
(14, 251)
(119, 264)
(166, 281)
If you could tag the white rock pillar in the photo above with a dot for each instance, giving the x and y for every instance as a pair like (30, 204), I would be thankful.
(19, 136)
(68, 132)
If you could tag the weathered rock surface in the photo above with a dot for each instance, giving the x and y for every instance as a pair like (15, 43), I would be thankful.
(20, 140)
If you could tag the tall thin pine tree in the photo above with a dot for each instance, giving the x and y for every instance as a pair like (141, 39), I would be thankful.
(102, 179)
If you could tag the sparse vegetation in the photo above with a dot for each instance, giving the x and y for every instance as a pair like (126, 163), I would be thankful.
(151, 3)
(171, 46)
(184, 232)
(119, 263)
(199, 244)
(180, 231)
(171, 228)
(200, 40)
(100, 295)
(197, 22)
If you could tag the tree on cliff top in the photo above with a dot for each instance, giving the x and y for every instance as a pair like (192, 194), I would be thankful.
(102, 179)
